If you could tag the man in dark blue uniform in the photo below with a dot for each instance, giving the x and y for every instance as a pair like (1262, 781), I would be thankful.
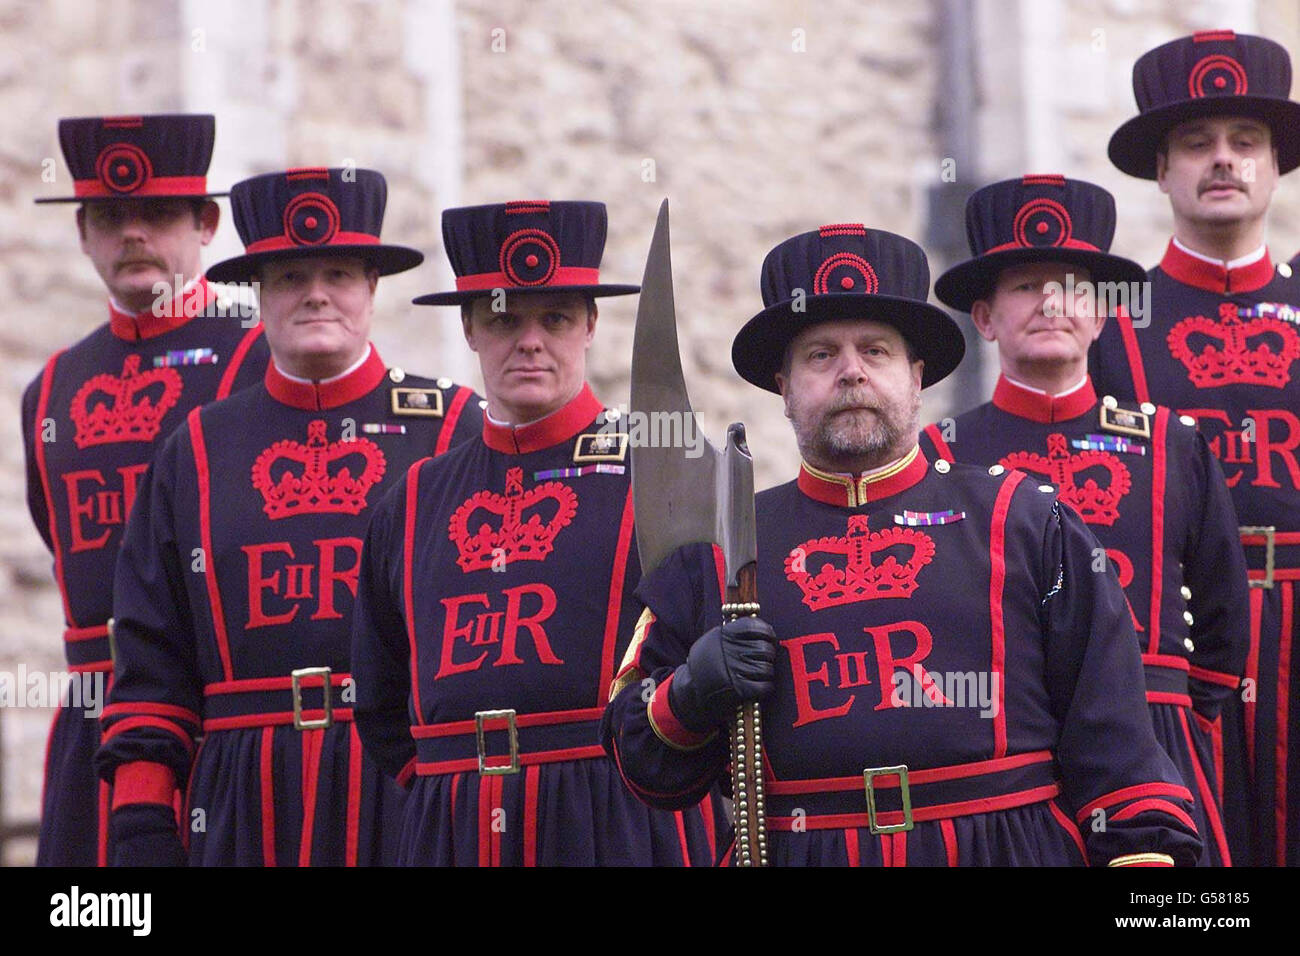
(944, 679)
(233, 596)
(1142, 478)
(1216, 130)
(94, 417)
(496, 583)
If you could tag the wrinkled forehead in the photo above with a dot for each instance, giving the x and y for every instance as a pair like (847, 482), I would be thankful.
(1218, 123)
(849, 330)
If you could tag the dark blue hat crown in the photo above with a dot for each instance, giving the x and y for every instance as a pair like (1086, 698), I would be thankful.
(312, 211)
(1036, 218)
(845, 271)
(137, 157)
(1209, 73)
(525, 246)
(845, 259)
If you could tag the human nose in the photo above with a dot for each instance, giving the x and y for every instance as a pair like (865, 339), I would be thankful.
(852, 368)
(530, 336)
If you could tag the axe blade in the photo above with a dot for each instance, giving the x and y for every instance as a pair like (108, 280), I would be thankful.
(679, 499)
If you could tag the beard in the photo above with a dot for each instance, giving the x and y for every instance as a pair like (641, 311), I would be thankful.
(836, 435)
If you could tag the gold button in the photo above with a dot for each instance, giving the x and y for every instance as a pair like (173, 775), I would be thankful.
(443, 383)
(1147, 408)
(1187, 420)
(1284, 270)
(1109, 402)
(1187, 616)
(996, 470)
(1186, 592)
(1046, 488)
(396, 374)
(1187, 643)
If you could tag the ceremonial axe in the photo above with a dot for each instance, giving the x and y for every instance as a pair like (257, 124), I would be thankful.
(681, 500)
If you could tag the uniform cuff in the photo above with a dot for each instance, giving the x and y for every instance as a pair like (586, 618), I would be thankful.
(1142, 859)
(143, 782)
(666, 725)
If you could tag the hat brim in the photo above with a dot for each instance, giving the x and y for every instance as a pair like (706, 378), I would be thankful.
(389, 260)
(759, 348)
(1134, 145)
(127, 197)
(461, 297)
(967, 282)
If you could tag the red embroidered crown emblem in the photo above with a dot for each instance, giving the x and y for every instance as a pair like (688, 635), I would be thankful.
(318, 477)
(1096, 504)
(1233, 360)
(517, 526)
(863, 565)
(137, 403)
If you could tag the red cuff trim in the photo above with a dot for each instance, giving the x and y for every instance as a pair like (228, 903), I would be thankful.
(143, 782)
(149, 707)
(1132, 793)
(666, 725)
(130, 723)
(1159, 806)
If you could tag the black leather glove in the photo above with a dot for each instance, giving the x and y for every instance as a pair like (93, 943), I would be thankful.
(145, 834)
(728, 666)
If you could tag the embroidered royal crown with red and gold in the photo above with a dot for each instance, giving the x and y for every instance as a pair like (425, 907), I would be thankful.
(136, 409)
(503, 533)
(317, 477)
(1233, 361)
(1096, 504)
(864, 565)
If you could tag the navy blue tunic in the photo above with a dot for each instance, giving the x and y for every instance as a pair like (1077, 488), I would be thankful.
(935, 617)
(1221, 347)
(239, 567)
(499, 578)
(92, 421)
(1158, 504)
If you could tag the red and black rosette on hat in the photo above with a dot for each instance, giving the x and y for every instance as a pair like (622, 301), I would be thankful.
(137, 157)
(312, 211)
(1035, 219)
(1211, 73)
(845, 271)
(525, 246)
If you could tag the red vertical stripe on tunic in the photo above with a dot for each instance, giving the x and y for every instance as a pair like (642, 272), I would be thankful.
(706, 810)
(205, 535)
(1134, 354)
(940, 446)
(1158, 438)
(355, 758)
(42, 411)
(899, 851)
(851, 846)
(1252, 675)
(997, 581)
(949, 840)
(498, 784)
(311, 748)
(485, 820)
(237, 360)
(1071, 830)
(101, 835)
(531, 776)
(408, 596)
(268, 798)
(1203, 792)
(680, 819)
(1283, 707)
(449, 421)
(615, 604)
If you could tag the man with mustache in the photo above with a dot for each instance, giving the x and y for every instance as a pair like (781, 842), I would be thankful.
(944, 679)
(94, 417)
(233, 594)
(1141, 478)
(1215, 130)
(495, 593)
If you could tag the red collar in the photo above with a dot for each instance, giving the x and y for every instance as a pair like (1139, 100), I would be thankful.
(851, 491)
(556, 427)
(1038, 407)
(134, 326)
(318, 396)
(1212, 276)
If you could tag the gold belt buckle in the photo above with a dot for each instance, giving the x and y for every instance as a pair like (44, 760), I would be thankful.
(296, 677)
(900, 771)
(1270, 543)
(482, 717)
